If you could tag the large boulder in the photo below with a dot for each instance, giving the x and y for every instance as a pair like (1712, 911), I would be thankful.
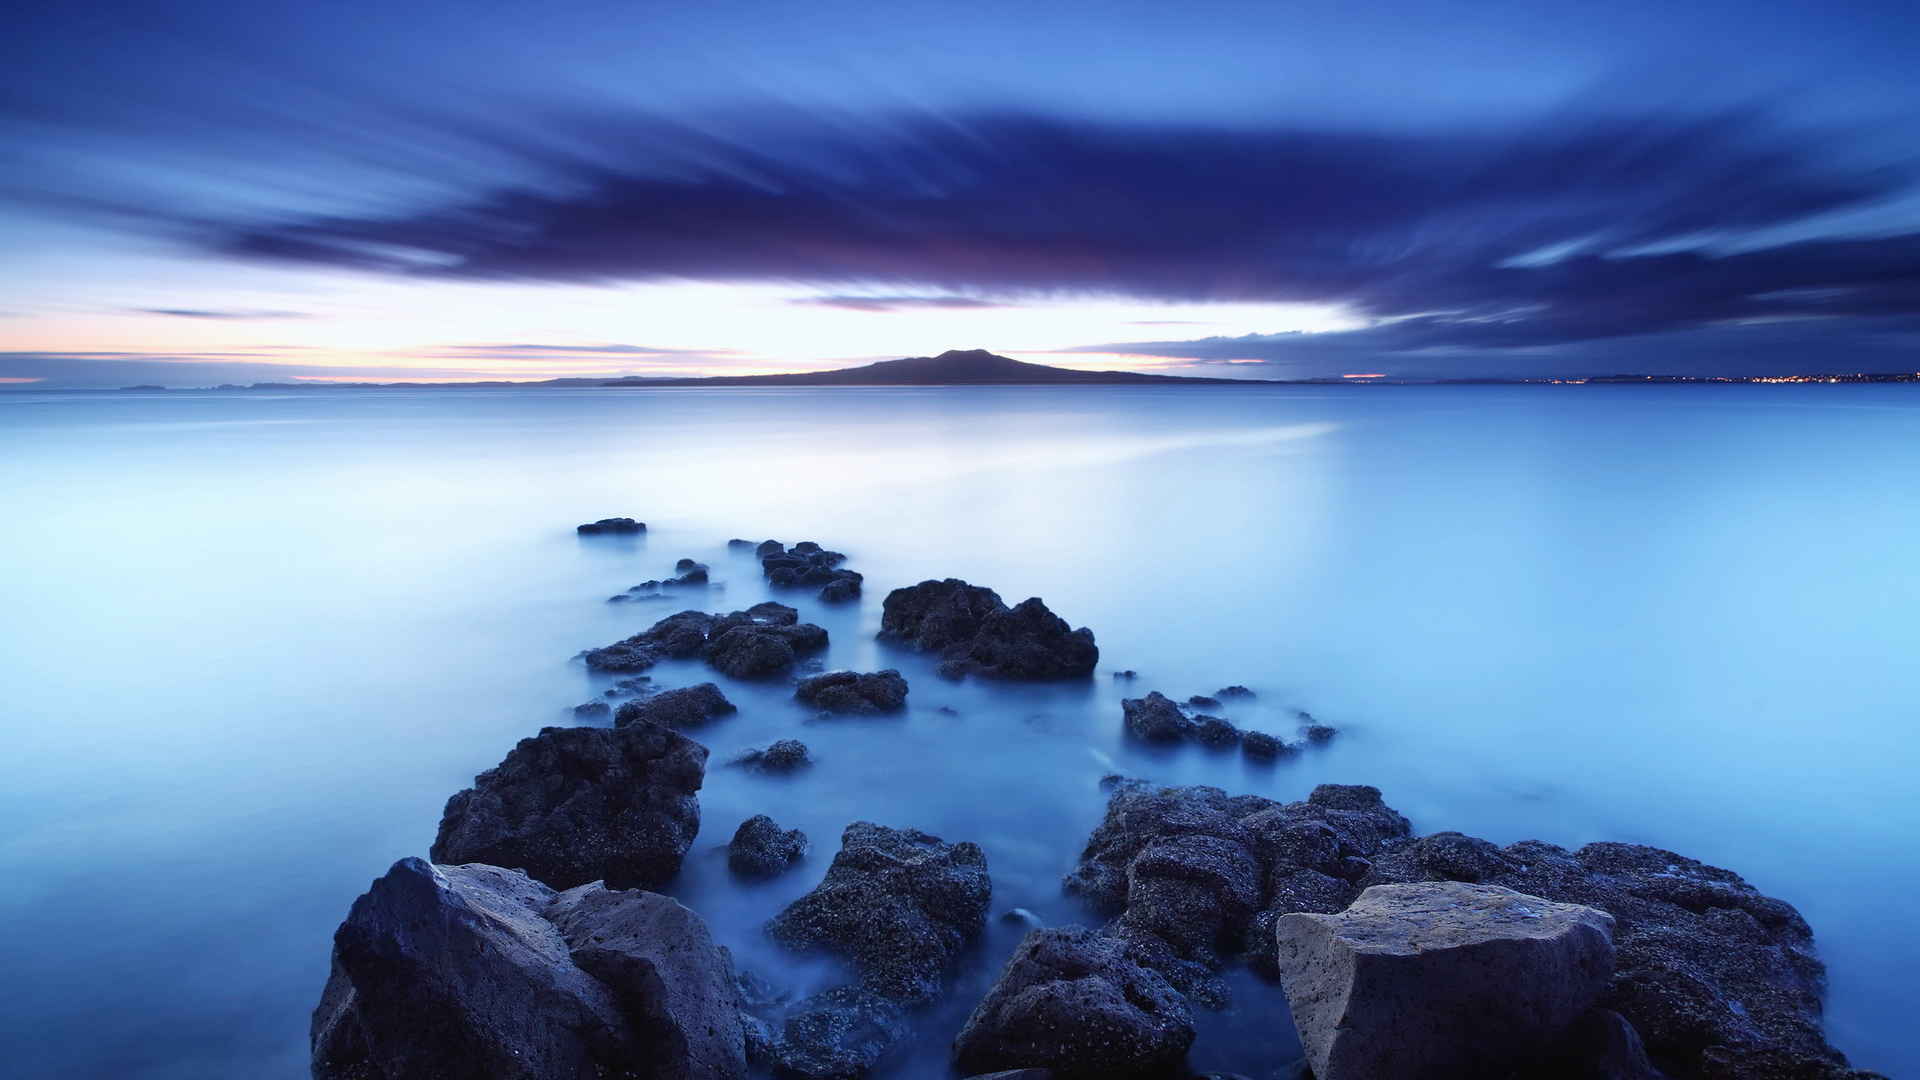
(1440, 979)
(855, 692)
(974, 631)
(1072, 1000)
(688, 706)
(761, 849)
(480, 972)
(573, 805)
(611, 526)
(1156, 718)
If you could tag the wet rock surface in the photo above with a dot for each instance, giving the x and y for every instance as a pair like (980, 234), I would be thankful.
(780, 756)
(855, 692)
(1157, 718)
(1073, 1001)
(763, 640)
(574, 805)
(975, 632)
(1440, 979)
(762, 849)
(689, 706)
(477, 971)
(809, 564)
(615, 526)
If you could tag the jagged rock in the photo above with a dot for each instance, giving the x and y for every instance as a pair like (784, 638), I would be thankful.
(975, 632)
(573, 805)
(839, 1034)
(1202, 701)
(761, 849)
(1263, 747)
(840, 590)
(1072, 1000)
(1156, 718)
(854, 692)
(606, 526)
(1319, 733)
(1720, 981)
(457, 971)
(1216, 732)
(688, 572)
(1234, 691)
(897, 904)
(784, 755)
(1440, 979)
(687, 707)
(762, 640)
(673, 983)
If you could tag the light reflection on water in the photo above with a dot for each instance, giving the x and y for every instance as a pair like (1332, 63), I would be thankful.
(253, 642)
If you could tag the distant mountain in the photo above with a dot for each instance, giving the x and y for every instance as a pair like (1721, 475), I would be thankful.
(957, 367)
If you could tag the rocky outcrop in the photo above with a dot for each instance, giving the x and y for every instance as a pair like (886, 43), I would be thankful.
(898, 906)
(1192, 876)
(855, 692)
(1440, 979)
(476, 971)
(809, 564)
(617, 526)
(573, 805)
(689, 706)
(1719, 980)
(976, 633)
(762, 849)
(1072, 1000)
(1156, 718)
(780, 756)
(763, 640)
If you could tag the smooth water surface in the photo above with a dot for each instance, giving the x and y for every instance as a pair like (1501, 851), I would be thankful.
(252, 642)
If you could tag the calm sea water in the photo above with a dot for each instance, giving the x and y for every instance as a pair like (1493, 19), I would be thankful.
(252, 642)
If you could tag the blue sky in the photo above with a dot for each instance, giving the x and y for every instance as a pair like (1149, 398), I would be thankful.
(198, 193)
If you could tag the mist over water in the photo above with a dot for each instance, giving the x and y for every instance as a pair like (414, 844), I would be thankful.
(252, 642)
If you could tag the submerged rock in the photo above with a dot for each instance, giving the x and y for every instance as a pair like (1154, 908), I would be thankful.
(617, 526)
(1318, 733)
(1072, 1001)
(687, 707)
(784, 755)
(1234, 691)
(1440, 979)
(1156, 718)
(1263, 747)
(573, 805)
(476, 971)
(839, 1034)
(763, 640)
(975, 632)
(761, 849)
(591, 710)
(854, 692)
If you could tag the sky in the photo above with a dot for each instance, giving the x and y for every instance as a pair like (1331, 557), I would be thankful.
(195, 193)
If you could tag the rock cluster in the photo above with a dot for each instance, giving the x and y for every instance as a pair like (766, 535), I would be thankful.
(476, 971)
(898, 906)
(855, 692)
(611, 526)
(763, 640)
(1158, 718)
(807, 563)
(974, 632)
(573, 805)
(689, 706)
(761, 849)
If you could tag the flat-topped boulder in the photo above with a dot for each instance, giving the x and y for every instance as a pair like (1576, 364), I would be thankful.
(574, 805)
(1440, 979)
(975, 632)
(477, 971)
(614, 526)
(689, 706)
(855, 692)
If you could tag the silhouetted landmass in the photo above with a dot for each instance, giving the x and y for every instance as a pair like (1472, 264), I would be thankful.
(956, 367)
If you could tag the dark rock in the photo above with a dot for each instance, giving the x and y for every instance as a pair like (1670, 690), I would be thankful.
(619, 598)
(1216, 732)
(737, 544)
(476, 971)
(683, 565)
(1073, 1001)
(616, 526)
(762, 640)
(1263, 747)
(974, 632)
(687, 707)
(806, 547)
(770, 547)
(897, 904)
(1128, 673)
(1319, 733)
(690, 573)
(1202, 701)
(855, 692)
(841, 589)
(673, 983)
(761, 849)
(1156, 718)
(592, 709)
(786, 755)
(750, 654)
(1440, 979)
(839, 1034)
(573, 805)
(1234, 691)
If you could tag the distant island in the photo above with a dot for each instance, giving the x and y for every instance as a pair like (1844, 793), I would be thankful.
(955, 367)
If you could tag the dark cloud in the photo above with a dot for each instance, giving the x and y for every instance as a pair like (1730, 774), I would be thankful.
(206, 313)
(898, 303)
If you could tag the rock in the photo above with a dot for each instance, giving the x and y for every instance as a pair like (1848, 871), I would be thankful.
(841, 590)
(1072, 1000)
(770, 547)
(1202, 701)
(1720, 981)
(761, 849)
(974, 632)
(853, 692)
(737, 544)
(476, 971)
(839, 1034)
(1319, 733)
(1156, 718)
(1263, 747)
(762, 640)
(897, 904)
(1128, 673)
(589, 710)
(611, 526)
(782, 756)
(1440, 979)
(573, 805)
(1215, 732)
(673, 983)
(749, 654)
(1234, 691)
(687, 707)
(689, 573)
